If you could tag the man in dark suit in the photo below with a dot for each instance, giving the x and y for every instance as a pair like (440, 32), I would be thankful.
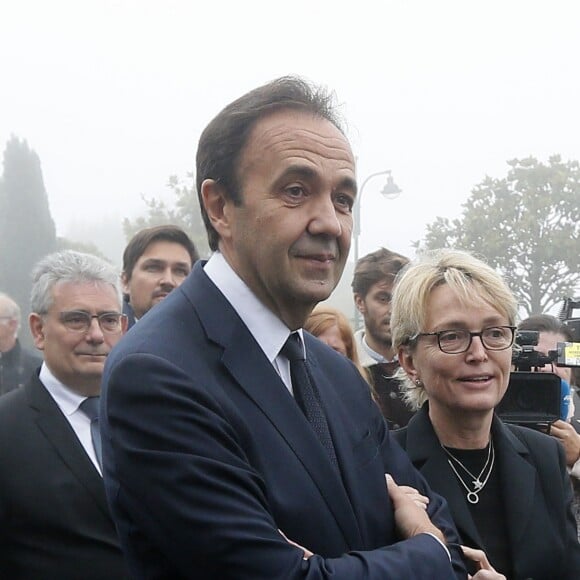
(226, 454)
(17, 363)
(155, 262)
(54, 518)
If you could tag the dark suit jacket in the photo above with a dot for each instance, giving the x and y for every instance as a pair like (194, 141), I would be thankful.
(207, 455)
(537, 490)
(17, 366)
(54, 518)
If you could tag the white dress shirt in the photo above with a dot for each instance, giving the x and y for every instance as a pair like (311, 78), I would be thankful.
(268, 330)
(68, 402)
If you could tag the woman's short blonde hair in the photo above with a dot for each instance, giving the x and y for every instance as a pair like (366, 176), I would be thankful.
(469, 277)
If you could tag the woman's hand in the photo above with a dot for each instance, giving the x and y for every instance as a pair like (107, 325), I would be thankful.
(411, 517)
(486, 570)
(421, 500)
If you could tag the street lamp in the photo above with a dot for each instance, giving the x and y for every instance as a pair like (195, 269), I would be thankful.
(390, 190)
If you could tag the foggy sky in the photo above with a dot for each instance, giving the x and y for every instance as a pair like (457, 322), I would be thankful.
(113, 95)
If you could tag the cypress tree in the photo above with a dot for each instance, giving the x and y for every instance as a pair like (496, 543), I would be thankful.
(27, 230)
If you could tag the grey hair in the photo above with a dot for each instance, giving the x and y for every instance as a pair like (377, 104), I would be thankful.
(73, 267)
(8, 307)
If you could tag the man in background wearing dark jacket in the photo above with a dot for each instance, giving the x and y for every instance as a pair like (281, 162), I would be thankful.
(16, 362)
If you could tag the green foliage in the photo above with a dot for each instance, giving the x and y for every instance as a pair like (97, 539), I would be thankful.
(186, 213)
(27, 231)
(526, 225)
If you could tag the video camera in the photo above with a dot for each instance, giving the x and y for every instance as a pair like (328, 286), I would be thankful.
(571, 318)
(535, 399)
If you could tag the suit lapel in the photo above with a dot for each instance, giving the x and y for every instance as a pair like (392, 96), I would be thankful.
(258, 378)
(425, 451)
(261, 382)
(518, 482)
(58, 432)
(517, 478)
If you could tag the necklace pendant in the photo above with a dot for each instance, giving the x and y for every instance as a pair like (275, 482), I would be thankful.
(472, 497)
(477, 484)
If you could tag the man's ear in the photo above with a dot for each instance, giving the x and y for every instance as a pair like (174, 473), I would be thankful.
(359, 302)
(215, 203)
(36, 324)
(124, 282)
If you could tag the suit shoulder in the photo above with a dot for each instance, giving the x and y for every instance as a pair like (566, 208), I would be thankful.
(12, 401)
(531, 437)
(542, 447)
(14, 410)
(400, 436)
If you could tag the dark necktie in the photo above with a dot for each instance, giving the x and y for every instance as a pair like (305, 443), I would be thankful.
(90, 407)
(306, 394)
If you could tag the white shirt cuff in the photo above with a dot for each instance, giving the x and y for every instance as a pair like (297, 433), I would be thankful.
(441, 543)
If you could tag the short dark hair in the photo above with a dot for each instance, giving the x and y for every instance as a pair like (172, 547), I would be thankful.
(145, 237)
(380, 265)
(547, 323)
(223, 140)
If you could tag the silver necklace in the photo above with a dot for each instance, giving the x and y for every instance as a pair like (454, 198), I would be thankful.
(478, 484)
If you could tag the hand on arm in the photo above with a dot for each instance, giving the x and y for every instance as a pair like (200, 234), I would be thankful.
(410, 515)
(486, 570)
(414, 494)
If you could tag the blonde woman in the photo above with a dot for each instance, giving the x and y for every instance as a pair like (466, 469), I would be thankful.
(453, 322)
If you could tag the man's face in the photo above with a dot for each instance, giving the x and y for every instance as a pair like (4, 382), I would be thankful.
(290, 237)
(8, 327)
(161, 268)
(548, 341)
(77, 358)
(375, 308)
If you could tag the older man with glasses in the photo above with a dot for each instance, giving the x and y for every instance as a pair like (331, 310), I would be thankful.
(17, 363)
(54, 518)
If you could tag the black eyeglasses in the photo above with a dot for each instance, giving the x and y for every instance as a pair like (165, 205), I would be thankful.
(80, 321)
(458, 341)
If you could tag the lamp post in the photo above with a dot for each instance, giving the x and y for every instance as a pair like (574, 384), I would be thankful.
(390, 190)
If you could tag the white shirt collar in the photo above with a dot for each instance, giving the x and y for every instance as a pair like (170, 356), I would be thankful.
(374, 354)
(268, 330)
(67, 399)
